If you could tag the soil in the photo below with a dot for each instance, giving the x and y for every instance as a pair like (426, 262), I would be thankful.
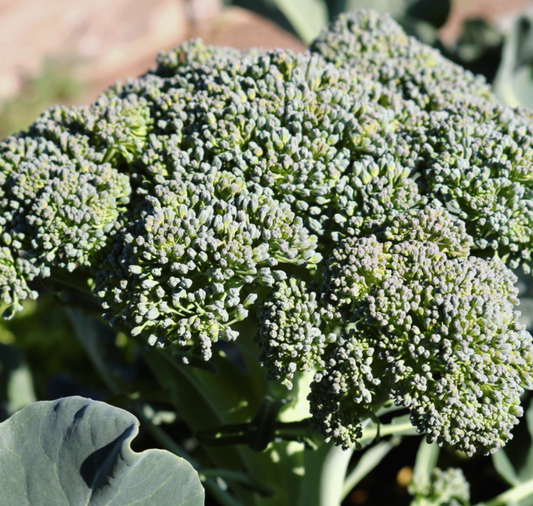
(109, 40)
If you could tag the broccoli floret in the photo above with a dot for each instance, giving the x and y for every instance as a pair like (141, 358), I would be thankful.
(429, 225)
(439, 335)
(59, 200)
(290, 337)
(445, 488)
(369, 192)
(374, 45)
(360, 204)
(179, 270)
(480, 169)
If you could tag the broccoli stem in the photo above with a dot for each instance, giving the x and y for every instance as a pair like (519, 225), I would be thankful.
(325, 471)
(512, 496)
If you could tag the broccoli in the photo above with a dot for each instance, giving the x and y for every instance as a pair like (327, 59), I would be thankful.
(358, 207)
(438, 334)
(445, 488)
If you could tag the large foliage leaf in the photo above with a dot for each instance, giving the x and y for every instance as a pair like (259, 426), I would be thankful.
(306, 16)
(77, 451)
(514, 80)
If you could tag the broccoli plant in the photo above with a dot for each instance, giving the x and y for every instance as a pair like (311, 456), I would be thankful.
(300, 243)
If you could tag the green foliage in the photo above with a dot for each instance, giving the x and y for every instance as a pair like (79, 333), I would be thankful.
(77, 451)
(42, 338)
(515, 465)
(306, 17)
(513, 82)
(16, 386)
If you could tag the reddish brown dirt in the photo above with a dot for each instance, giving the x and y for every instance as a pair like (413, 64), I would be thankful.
(113, 39)
(232, 27)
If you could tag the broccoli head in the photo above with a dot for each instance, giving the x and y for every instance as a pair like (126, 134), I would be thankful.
(360, 205)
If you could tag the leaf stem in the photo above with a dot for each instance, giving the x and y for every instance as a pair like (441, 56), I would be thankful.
(368, 461)
(512, 496)
(392, 429)
(325, 470)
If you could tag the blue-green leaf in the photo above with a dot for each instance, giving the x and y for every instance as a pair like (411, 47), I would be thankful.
(514, 463)
(505, 468)
(77, 451)
(514, 81)
(306, 16)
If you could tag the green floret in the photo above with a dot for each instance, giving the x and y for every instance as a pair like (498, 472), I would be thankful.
(178, 272)
(57, 216)
(15, 273)
(375, 45)
(61, 198)
(439, 335)
(452, 142)
(478, 163)
(436, 226)
(290, 338)
(444, 488)
(109, 130)
(370, 192)
(191, 53)
(288, 122)
(361, 34)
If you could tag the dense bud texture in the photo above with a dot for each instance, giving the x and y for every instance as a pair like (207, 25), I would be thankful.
(443, 488)
(290, 318)
(439, 335)
(359, 204)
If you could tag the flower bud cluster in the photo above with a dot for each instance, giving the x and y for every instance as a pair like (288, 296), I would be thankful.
(223, 177)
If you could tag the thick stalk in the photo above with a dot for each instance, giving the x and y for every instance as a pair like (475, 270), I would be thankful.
(228, 398)
(325, 471)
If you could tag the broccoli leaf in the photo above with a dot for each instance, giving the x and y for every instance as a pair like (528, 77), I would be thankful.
(307, 18)
(513, 81)
(77, 451)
